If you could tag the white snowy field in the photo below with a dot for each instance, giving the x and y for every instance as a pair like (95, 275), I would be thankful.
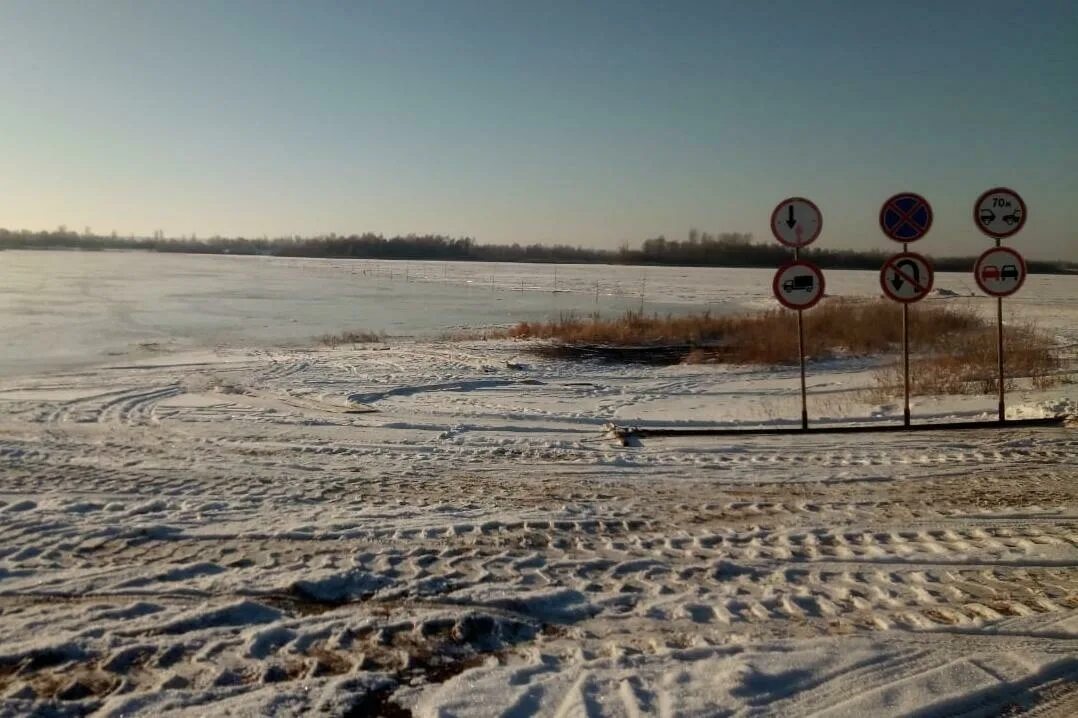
(66, 310)
(441, 528)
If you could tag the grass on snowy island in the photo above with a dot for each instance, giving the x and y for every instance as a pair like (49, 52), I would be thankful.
(953, 347)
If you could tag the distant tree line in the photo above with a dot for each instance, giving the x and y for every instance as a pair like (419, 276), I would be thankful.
(699, 249)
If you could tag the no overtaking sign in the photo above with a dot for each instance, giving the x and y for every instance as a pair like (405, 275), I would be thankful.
(1000, 272)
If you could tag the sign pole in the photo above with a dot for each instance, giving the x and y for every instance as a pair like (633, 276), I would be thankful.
(906, 217)
(906, 278)
(906, 355)
(1000, 213)
(999, 355)
(801, 351)
(906, 362)
(999, 352)
(801, 359)
(797, 222)
(1000, 272)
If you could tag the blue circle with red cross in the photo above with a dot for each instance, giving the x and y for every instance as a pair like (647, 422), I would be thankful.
(906, 217)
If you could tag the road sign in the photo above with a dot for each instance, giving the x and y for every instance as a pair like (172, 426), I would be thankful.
(1000, 272)
(999, 212)
(798, 285)
(906, 217)
(796, 222)
(906, 277)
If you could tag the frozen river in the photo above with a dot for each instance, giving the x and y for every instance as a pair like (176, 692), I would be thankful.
(60, 310)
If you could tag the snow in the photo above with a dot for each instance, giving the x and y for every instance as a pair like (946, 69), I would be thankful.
(132, 309)
(441, 527)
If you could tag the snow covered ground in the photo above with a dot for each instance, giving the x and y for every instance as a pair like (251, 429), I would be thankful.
(441, 528)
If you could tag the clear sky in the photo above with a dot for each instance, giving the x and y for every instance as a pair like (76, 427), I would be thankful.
(536, 121)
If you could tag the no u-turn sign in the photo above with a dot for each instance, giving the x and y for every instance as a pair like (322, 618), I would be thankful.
(906, 277)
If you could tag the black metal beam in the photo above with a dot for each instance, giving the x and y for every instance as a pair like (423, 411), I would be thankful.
(626, 432)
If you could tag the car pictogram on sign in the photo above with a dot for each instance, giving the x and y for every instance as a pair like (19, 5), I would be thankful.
(1000, 212)
(1000, 271)
(1007, 271)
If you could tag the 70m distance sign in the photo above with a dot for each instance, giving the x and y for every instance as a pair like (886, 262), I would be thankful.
(1000, 212)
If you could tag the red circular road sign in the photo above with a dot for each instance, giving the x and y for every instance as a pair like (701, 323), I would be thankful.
(999, 212)
(907, 277)
(1000, 271)
(796, 222)
(798, 285)
(906, 217)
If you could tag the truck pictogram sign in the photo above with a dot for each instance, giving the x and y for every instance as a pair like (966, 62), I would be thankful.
(798, 285)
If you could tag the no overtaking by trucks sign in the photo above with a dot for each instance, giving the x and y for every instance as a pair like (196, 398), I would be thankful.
(798, 285)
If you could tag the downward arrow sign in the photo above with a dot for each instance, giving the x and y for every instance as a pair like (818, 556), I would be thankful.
(790, 221)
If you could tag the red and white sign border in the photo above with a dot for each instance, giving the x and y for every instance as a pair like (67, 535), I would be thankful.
(783, 203)
(977, 271)
(977, 217)
(887, 203)
(891, 261)
(812, 268)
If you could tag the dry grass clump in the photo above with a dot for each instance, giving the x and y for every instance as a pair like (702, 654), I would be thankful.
(834, 328)
(360, 336)
(630, 329)
(953, 348)
(969, 365)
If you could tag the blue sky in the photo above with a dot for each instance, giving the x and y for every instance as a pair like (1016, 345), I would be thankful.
(582, 123)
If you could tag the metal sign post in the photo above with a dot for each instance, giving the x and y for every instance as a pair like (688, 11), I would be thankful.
(1000, 272)
(799, 285)
(801, 354)
(1000, 213)
(907, 277)
(1001, 386)
(797, 222)
(906, 365)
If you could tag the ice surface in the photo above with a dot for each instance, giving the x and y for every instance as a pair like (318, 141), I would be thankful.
(73, 309)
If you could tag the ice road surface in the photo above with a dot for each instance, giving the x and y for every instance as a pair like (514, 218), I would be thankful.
(439, 528)
(66, 310)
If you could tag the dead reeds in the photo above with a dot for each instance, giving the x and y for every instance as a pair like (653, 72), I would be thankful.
(954, 348)
(356, 336)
